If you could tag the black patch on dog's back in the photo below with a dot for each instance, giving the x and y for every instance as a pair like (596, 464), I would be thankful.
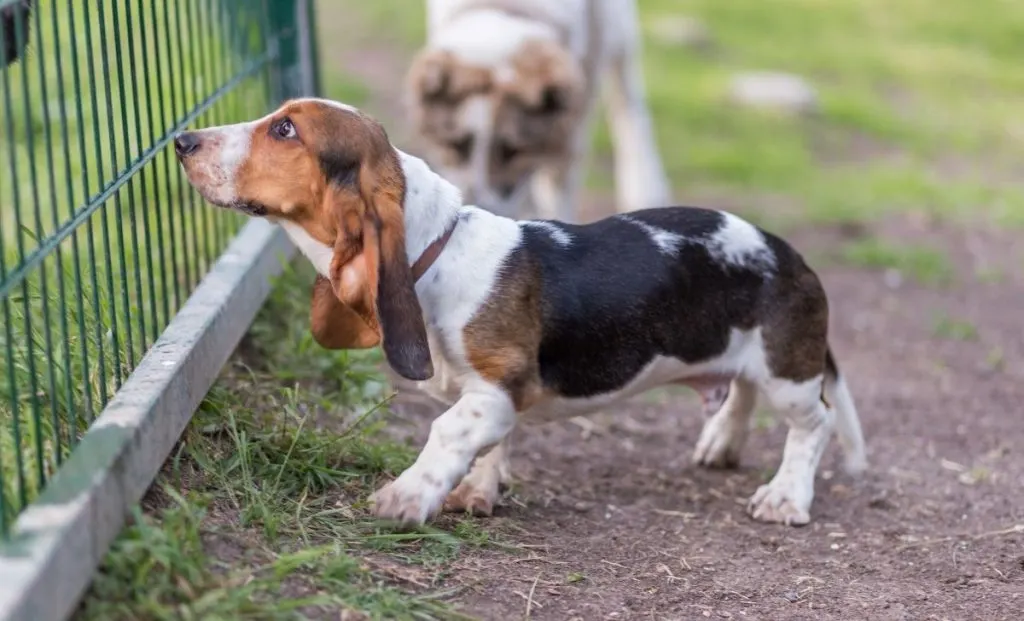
(613, 300)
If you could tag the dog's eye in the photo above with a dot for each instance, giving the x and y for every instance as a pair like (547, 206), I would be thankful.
(284, 129)
(506, 152)
(462, 146)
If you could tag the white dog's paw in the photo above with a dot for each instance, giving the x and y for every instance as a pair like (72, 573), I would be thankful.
(783, 500)
(410, 499)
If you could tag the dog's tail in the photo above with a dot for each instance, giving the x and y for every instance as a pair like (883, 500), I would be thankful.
(851, 438)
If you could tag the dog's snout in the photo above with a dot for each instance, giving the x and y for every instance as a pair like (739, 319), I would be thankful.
(186, 143)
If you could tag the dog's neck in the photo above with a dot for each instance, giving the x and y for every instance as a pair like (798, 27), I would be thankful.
(431, 205)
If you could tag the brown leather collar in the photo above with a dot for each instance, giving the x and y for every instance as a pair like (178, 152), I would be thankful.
(432, 251)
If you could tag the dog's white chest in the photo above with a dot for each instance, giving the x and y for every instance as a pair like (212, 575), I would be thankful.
(448, 379)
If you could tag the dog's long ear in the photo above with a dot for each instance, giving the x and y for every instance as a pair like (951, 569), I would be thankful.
(398, 309)
(428, 77)
(370, 271)
(438, 77)
(550, 81)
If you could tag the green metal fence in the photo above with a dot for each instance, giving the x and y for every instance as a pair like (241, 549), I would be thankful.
(101, 237)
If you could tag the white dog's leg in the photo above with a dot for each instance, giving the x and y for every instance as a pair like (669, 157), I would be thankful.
(480, 490)
(556, 186)
(481, 418)
(787, 497)
(640, 179)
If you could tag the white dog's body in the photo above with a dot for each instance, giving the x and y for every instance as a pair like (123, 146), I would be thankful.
(592, 49)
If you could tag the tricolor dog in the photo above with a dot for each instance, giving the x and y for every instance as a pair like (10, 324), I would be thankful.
(502, 94)
(513, 321)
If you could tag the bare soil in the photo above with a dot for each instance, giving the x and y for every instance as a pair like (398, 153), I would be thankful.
(617, 523)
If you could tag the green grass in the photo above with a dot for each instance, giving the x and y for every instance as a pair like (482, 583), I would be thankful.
(920, 108)
(928, 266)
(946, 327)
(262, 509)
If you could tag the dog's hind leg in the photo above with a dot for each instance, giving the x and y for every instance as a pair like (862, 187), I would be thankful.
(787, 497)
(480, 490)
(640, 179)
(725, 431)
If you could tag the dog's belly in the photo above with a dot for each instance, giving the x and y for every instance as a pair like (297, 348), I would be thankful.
(705, 378)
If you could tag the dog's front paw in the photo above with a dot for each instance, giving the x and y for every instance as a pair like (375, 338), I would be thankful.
(409, 500)
(784, 501)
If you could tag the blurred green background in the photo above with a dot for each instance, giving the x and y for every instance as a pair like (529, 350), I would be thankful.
(919, 107)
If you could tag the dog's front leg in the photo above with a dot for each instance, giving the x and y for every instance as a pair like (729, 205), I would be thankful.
(640, 180)
(481, 418)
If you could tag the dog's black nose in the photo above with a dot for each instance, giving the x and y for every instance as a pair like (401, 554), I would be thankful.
(185, 144)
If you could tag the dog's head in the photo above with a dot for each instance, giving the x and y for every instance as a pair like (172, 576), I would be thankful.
(488, 127)
(330, 171)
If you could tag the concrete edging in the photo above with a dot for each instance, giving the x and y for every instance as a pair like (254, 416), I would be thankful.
(59, 540)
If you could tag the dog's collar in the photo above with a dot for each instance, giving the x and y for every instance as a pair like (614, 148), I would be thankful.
(432, 252)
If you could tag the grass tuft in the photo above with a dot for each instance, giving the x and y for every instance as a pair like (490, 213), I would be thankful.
(261, 512)
(925, 265)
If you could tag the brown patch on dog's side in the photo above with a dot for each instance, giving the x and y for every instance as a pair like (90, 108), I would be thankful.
(795, 328)
(503, 339)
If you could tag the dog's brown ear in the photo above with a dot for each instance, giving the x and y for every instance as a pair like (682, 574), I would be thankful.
(550, 80)
(370, 271)
(335, 325)
(398, 309)
(429, 75)
(439, 77)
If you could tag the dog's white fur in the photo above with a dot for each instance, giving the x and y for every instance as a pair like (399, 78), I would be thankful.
(606, 43)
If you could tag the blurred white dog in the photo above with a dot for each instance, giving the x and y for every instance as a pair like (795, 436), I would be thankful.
(503, 93)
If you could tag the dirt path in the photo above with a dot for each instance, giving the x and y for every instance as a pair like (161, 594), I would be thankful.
(620, 525)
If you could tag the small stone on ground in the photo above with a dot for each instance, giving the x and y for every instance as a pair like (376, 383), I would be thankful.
(776, 90)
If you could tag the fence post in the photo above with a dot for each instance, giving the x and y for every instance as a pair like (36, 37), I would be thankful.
(297, 71)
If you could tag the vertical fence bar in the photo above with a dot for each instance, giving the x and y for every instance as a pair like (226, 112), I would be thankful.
(72, 417)
(101, 358)
(91, 253)
(19, 37)
(148, 28)
(26, 300)
(171, 268)
(58, 257)
(133, 230)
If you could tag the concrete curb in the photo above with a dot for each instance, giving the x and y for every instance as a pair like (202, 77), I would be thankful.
(59, 540)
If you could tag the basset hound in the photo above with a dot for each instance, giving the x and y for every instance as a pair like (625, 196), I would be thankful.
(512, 321)
(502, 97)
